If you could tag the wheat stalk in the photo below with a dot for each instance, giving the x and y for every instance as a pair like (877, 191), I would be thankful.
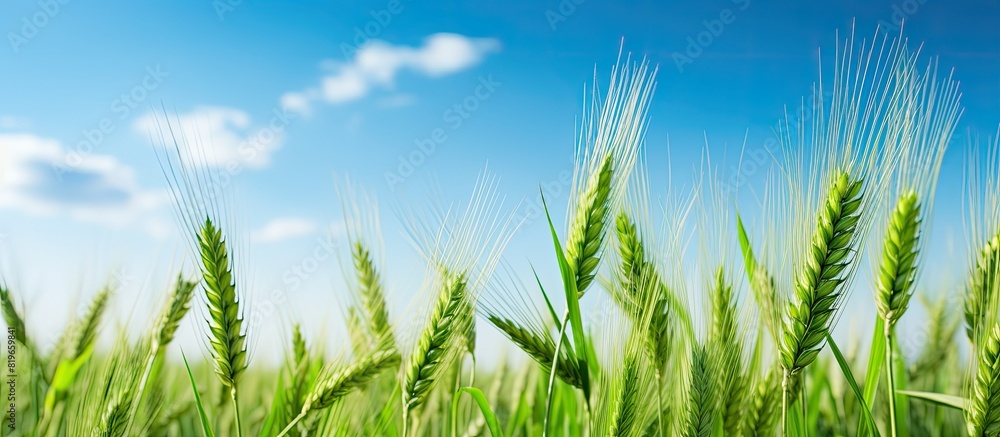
(300, 353)
(645, 295)
(649, 303)
(227, 339)
(225, 321)
(363, 228)
(725, 335)
(983, 414)
(80, 339)
(462, 249)
(649, 288)
(982, 290)
(177, 307)
(425, 364)
(371, 292)
(927, 111)
(607, 150)
(894, 284)
(337, 384)
(86, 330)
(170, 318)
(198, 195)
(853, 140)
(818, 286)
(703, 400)
(300, 366)
(624, 383)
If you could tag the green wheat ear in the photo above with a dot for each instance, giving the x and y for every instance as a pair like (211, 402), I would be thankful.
(115, 418)
(372, 293)
(86, 331)
(643, 286)
(943, 324)
(818, 287)
(984, 412)
(338, 384)
(177, 308)
(542, 349)
(299, 370)
(334, 385)
(625, 410)
(631, 252)
(703, 401)
(425, 364)
(225, 322)
(897, 271)
(11, 316)
(765, 405)
(586, 235)
(358, 334)
(982, 291)
(725, 335)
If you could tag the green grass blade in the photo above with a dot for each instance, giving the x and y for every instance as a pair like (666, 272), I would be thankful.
(874, 372)
(278, 405)
(548, 302)
(820, 385)
(64, 376)
(484, 405)
(206, 428)
(572, 306)
(902, 405)
(520, 416)
(866, 412)
(795, 425)
(749, 262)
(956, 402)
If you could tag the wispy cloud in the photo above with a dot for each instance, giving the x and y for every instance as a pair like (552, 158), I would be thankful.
(35, 179)
(284, 228)
(222, 136)
(377, 63)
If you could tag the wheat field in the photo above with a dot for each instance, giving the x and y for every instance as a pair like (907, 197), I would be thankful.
(674, 315)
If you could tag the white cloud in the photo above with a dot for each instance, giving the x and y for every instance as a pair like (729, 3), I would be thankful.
(223, 136)
(282, 229)
(38, 176)
(377, 64)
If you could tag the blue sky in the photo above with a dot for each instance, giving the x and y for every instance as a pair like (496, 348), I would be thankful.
(354, 88)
